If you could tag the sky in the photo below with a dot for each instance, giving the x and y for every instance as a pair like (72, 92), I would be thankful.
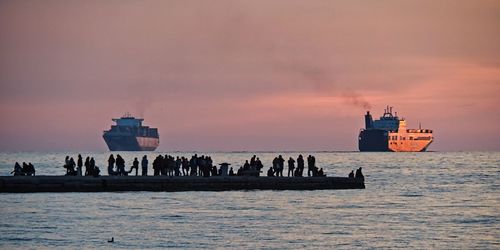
(247, 75)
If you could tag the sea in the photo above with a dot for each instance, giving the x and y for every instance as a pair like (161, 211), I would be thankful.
(429, 200)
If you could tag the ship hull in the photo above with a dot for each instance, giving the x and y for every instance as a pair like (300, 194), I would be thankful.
(383, 141)
(373, 141)
(130, 143)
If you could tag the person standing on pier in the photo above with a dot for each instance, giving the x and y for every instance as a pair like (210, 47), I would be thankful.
(300, 166)
(291, 166)
(87, 166)
(281, 166)
(111, 165)
(311, 162)
(144, 165)
(79, 165)
(135, 165)
(120, 165)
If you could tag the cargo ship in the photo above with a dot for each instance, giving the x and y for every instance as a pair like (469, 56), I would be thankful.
(130, 135)
(389, 134)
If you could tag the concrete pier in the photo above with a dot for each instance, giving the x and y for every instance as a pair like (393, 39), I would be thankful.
(32, 184)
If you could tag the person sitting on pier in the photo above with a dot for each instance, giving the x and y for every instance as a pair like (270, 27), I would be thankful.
(96, 171)
(18, 170)
(270, 172)
(31, 169)
(231, 172)
(111, 165)
(351, 174)
(359, 174)
(240, 171)
(144, 165)
(291, 166)
(214, 171)
(321, 173)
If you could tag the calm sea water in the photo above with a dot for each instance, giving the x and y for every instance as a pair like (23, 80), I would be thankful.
(412, 200)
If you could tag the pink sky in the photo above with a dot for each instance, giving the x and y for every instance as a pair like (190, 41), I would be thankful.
(247, 75)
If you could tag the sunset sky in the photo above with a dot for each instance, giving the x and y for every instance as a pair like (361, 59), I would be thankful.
(247, 75)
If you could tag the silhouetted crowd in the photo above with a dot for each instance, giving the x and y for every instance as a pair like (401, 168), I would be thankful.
(168, 165)
(26, 169)
(359, 174)
(279, 164)
(90, 168)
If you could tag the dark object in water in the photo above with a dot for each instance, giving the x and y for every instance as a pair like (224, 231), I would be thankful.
(389, 133)
(129, 135)
(112, 240)
(22, 184)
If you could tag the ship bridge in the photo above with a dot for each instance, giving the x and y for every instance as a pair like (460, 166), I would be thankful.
(128, 121)
(388, 121)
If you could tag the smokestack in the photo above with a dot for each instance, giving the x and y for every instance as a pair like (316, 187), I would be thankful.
(368, 120)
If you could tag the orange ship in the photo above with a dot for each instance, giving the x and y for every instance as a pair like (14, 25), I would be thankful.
(389, 133)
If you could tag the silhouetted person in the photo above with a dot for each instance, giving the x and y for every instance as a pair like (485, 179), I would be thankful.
(79, 165)
(351, 175)
(246, 166)
(135, 165)
(185, 166)
(300, 166)
(31, 169)
(270, 172)
(310, 165)
(18, 170)
(178, 164)
(359, 174)
(193, 165)
(111, 165)
(321, 173)
(88, 171)
(231, 172)
(96, 171)
(144, 165)
(92, 166)
(120, 165)
(281, 166)
(259, 166)
(70, 169)
(253, 161)
(291, 166)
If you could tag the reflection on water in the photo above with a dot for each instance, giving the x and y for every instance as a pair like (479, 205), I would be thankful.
(418, 200)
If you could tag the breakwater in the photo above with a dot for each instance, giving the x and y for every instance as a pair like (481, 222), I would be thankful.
(31, 184)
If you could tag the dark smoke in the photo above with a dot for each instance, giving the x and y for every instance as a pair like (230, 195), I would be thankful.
(356, 100)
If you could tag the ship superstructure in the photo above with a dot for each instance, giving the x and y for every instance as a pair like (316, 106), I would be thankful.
(390, 133)
(130, 135)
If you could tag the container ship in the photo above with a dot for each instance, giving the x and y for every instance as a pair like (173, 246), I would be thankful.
(389, 134)
(129, 135)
